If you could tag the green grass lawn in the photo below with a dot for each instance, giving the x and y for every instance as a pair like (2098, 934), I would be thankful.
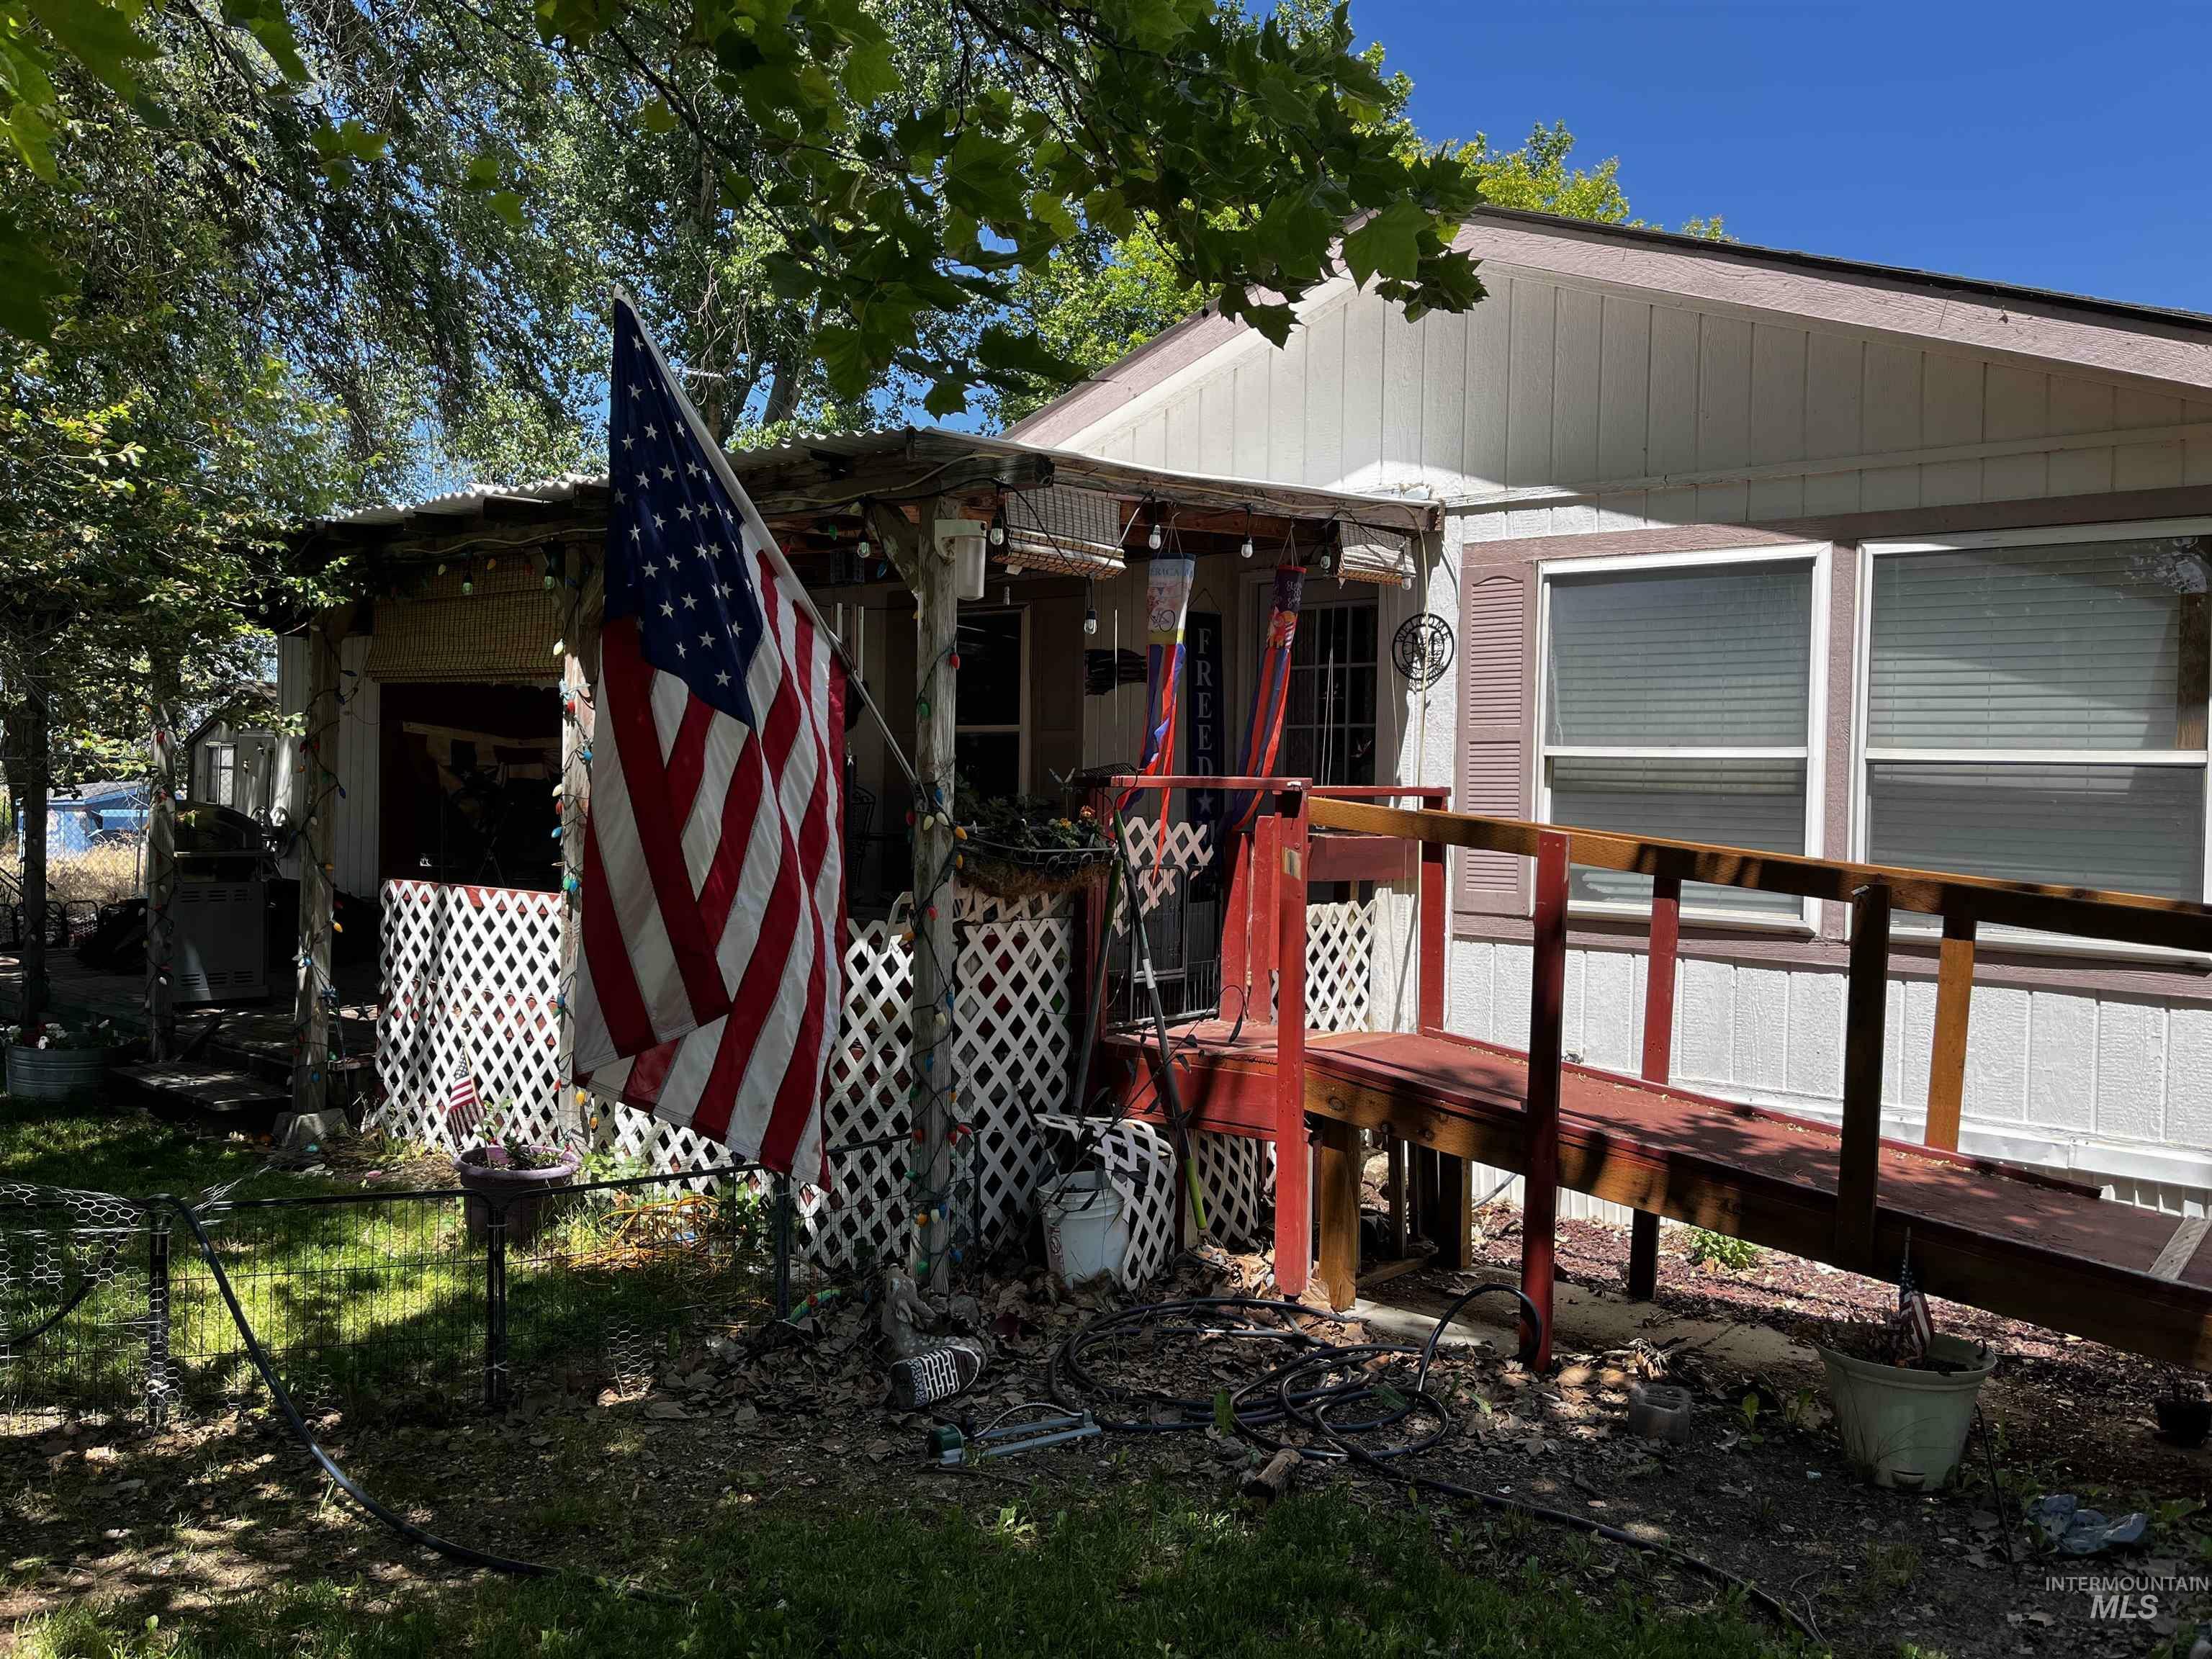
(356, 1300)
(1147, 1570)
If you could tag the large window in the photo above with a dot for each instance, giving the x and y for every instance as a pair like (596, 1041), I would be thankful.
(1679, 701)
(2035, 708)
(991, 745)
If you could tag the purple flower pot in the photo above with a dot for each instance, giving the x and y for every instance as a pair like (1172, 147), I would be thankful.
(516, 1194)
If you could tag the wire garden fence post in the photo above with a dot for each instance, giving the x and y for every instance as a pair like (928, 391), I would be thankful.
(158, 1380)
(494, 1361)
(783, 1230)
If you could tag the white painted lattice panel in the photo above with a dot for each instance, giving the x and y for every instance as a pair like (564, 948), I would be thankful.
(1340, 965)
(1162, 863)
(470, 980)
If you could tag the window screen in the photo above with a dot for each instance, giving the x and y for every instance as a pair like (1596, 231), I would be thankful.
(1677, 704)
(2037, 714)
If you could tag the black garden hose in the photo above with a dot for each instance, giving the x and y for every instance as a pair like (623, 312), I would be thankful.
(1298, 1390)
(466, 1554)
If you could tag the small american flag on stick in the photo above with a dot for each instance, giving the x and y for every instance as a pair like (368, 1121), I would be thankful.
(1915, 1325)
(463, 1106)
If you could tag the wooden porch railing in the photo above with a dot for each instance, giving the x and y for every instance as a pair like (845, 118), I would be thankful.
(1873, 891)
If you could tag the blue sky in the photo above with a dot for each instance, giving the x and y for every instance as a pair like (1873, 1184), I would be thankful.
(2059, 147)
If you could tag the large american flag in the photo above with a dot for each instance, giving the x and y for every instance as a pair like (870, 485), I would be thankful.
(714, 888)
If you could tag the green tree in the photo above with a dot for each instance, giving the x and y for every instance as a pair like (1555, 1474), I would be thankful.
(1243, 146)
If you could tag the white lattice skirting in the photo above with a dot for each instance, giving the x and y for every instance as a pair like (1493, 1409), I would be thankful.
(470, 977)
(471, 986)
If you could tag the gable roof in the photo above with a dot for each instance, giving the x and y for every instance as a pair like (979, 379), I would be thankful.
(2105, 336)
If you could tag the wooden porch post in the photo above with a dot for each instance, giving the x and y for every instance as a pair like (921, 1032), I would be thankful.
(160, 876)
(1866, 1008)
(580, 675)
(1547, 994)
(1947, 1062)
(936, 943)
(1660, 972)
(311, 1010)
(1293, 1164)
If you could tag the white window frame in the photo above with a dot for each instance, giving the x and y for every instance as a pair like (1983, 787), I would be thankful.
(1817, 557)
(217, 753)
(1863, 754)
(962, 726)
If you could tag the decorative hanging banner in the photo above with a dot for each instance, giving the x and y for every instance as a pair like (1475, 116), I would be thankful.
(1167, 595)
(1265, 734)
(1202, 718)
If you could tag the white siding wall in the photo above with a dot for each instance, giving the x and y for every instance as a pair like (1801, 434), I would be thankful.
(354, 855)
(1561, 407)
(1570, 409)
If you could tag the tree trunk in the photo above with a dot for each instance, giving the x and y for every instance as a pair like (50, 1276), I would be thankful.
(28, 734)
(160, 874)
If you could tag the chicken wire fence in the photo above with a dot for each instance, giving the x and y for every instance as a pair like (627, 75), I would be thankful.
(412, 1300)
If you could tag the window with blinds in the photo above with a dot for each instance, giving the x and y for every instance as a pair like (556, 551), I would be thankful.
(1678, 702)
(2037, 712)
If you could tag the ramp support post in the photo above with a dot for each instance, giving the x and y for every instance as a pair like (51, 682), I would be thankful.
(1866, 1005)
(1947, 1062)
(1293, 1163)
(1658, 1061)
(1547, 995)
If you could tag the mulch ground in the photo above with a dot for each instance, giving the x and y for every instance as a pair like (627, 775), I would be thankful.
(613, 1472)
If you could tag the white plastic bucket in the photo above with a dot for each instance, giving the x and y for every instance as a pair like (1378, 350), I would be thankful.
(1085, 1233)
(1907, 1428)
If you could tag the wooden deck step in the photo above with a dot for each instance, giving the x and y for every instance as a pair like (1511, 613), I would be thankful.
(209, 1088)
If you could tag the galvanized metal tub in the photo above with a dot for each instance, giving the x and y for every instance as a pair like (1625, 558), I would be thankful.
(55, 1073)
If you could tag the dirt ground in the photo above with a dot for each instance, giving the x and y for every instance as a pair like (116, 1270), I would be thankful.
(616, 1471)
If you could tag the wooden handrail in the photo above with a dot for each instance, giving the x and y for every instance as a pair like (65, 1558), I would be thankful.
(2087, 912)
(1131, 780)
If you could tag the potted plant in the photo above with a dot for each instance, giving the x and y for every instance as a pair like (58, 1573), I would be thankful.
(512, 1173)
(48, 1059)
(1904, 1414)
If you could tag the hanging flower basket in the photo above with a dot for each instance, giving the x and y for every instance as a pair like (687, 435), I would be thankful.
(1022, 847)
(1017, 879)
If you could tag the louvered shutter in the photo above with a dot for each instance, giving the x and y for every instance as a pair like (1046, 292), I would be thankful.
(1496, 625)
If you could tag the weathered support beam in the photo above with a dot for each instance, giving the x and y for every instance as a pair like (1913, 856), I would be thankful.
(1451, 1212)
(1338, 1199)
(319, 743)
(1866, 1006)
(580, 676)
(936, 946)
(1293, 1171)
(1659, 973)
(1947, 1059)
(1547, 996)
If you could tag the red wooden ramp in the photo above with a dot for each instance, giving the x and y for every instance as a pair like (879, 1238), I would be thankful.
(2017, 1242)
(2014, 1241)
